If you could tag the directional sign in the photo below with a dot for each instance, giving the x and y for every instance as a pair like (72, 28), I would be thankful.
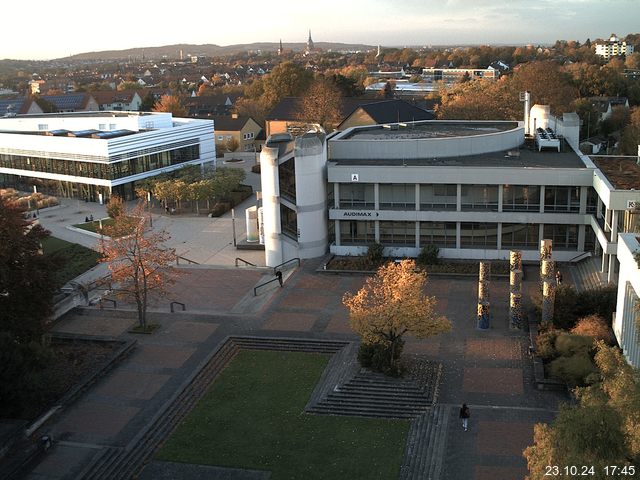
(354, 177)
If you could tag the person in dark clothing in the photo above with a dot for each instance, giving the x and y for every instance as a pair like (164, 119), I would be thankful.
(558, 278)
(465, 413)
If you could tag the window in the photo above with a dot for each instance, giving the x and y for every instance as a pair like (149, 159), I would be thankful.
(112, 126)
(480, 197)
(440, 234)
(398, 233)
(520, 235)
(43, 126)
(356, 195)
(354, 232)
(289, 222)
(562, 199)
(287, 177)
(102, 126)
(520, 198)
(438, 197)
(478, 235)
(220, 138)
(398, 196)
(564, 237)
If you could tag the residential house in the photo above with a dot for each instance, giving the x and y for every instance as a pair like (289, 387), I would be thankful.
(113, 100)
(244, 129)
(74, 102)
(605, 105)
(10, 107)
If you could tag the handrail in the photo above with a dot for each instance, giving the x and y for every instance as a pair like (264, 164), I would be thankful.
(177, 303)
(100, 302)
(244, 261)
(583, 254)
(277, 279)
(275, 269)
(178, 258)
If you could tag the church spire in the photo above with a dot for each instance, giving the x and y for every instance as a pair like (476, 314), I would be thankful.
(310, 46)
(280, 49)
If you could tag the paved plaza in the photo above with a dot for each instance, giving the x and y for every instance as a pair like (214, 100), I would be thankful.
(489, 370)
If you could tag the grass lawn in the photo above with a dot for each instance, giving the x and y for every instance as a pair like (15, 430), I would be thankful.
(252, 417)
(74, 259)
(95, 225)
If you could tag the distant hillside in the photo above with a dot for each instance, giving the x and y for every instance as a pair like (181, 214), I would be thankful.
(208, 50)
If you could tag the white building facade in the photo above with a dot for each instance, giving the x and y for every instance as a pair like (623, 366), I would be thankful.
(613, 48)
(92, 155)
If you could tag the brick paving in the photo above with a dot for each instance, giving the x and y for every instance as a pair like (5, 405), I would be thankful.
(489, 370)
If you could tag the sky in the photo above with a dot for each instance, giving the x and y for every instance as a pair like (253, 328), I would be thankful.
(44, 30)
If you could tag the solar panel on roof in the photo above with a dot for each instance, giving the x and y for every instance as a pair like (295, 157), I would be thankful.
(82, 133)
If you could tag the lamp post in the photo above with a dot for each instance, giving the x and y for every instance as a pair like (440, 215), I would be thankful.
(149, 205)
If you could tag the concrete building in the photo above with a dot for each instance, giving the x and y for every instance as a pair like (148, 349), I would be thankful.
(613, 48)
(91, 155)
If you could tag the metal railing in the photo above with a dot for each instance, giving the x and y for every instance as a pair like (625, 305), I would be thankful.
(275, 269)
(238, 259)
(580, 256)
(178, 258)
(277, 279)
(171, 306)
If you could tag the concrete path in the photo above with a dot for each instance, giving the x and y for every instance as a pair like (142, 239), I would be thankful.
(489, 370)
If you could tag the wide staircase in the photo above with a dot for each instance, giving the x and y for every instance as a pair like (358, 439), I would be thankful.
(586, 274)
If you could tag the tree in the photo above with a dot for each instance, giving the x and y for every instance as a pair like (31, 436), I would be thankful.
(27, 282)
(147, 103)
(392, 303)
(225, 180)
(389, 89)
(172, 104)
(287, 79)
(602, 429)
(115, 206)
(232, 144)
(321, 104)
(138, 261)
(631, 134)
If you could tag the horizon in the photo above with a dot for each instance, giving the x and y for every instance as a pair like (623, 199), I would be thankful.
(423, 23)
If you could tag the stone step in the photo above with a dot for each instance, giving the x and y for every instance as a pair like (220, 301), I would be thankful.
(378, 393)
(364, 412)
(338, 400)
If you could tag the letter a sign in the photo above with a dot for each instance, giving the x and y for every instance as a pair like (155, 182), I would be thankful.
(354, 177)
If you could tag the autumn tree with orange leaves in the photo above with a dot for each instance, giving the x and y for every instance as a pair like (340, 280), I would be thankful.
(390, 304)
(139, 262)
(173, 104)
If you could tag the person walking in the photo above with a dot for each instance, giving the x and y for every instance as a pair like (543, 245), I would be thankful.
(465, 413)
(558, 278)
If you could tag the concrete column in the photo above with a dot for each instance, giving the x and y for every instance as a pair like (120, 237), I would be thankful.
(541, 202)
(581, 237)
(548, 300)
(377, 230)
(605, 263)
(499, 235)
(484, 312)
(599, 208)
(615, 214)
(458, 198)
(458, 242)
(611, 274)
(583, 200)
(417, 196)
(541, 230)
(417, 234)
(376, 196)
(500, 200)
(336, 195)
(336, 229)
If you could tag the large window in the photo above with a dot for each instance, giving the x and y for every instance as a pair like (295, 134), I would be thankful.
(563, 236)
(287, 176)
(289, 222)
(397, 196)
(479, 235)
(398, 233)
(440, 234)
(354, 232)
(357, 195)
(480, 197)
(102, 170)
(592, 200)
(562, 199)
(520, 198)
(520, 235)
(438, 197)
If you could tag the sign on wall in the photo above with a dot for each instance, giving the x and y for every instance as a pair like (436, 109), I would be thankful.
(364, 213)
(354, 177)
(633, 204)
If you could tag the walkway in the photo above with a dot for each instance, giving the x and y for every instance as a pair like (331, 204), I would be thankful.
(489, 370)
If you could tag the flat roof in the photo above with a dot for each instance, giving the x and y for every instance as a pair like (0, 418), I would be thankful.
(622, 172)
(93, 113)
(530, 158)
(430, 129)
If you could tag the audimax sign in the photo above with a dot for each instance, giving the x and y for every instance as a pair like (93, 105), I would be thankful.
(364, 214)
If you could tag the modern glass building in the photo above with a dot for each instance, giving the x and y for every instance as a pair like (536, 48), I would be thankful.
(92, 155)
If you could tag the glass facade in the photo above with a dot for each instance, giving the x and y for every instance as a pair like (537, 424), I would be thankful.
(561, 199)
(398, 233)
(480, 197)
(563, 236)
(105, 171)
(516, 198)
(357, 232)
(289, 222)
(440, 234)
(357, 195)
(479, 235)
(397, 196)
(438, 197)
(287, 178)
(520, 235)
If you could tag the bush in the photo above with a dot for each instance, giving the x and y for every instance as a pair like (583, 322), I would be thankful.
(374, 255)
(600, 301)
(574, 370)
(377, 357)
(429, 255)
(546, 344)
(256, 168)
(219, 209)
(564, 314)
(595, 327)
(115, 207)
(568, 344)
